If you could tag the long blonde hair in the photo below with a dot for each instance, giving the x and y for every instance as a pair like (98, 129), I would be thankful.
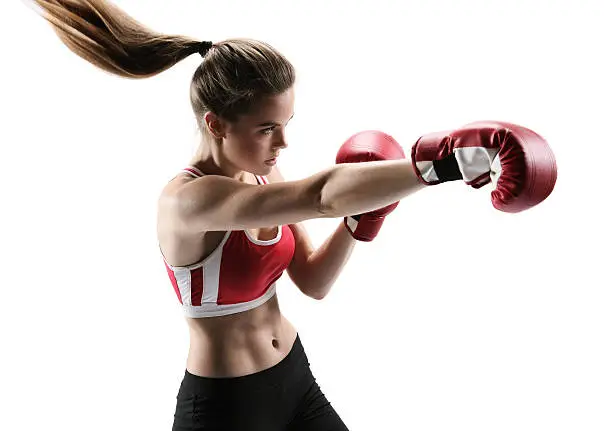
(232, 78)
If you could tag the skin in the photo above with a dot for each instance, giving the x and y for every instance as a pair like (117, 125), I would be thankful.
(251, 341)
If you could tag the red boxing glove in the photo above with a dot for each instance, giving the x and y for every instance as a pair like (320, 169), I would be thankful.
(518, 161)
(369, 146)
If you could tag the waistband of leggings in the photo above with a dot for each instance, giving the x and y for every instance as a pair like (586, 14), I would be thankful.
(293, 366)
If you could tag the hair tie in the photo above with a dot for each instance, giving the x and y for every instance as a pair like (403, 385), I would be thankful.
(203, 47)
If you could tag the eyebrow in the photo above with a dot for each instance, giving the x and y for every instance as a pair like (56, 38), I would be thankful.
(272, 123)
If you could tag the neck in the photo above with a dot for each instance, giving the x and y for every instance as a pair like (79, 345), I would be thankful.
(210, 160)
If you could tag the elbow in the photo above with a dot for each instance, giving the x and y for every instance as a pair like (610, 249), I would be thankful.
(312, 292)
(317, 293)
(317, 296)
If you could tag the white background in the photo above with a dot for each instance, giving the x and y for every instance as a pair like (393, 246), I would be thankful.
(456, 317)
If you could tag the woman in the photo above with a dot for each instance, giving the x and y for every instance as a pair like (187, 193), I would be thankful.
(229, 225)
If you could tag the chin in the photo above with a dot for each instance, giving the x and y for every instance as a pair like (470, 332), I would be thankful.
(267, 167)
(266, 170)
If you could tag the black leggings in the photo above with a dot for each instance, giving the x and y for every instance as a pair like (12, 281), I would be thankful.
(285, 397)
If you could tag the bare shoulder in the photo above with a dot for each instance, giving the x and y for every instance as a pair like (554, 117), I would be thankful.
(169, 192)
(166, 203)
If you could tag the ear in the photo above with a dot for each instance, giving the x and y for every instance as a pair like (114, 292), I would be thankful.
(216, 126)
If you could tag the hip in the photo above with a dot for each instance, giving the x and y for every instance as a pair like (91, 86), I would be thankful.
(266, 400)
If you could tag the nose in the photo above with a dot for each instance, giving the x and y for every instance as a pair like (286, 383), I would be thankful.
(281, 139)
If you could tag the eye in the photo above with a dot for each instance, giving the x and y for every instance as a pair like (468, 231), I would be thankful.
(267, 131)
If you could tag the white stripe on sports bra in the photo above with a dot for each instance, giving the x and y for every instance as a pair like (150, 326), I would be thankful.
(194, 172)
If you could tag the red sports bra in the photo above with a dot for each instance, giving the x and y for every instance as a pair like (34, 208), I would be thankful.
(239, 275)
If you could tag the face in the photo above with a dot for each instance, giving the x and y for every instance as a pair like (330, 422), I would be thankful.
(254, 142)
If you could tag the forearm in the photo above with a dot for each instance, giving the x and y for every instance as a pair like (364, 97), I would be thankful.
(326, 263)
(355, 188)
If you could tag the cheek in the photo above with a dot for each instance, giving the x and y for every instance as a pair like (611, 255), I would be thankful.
(249, 147)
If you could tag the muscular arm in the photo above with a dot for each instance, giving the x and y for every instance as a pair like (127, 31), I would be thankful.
(315, 271)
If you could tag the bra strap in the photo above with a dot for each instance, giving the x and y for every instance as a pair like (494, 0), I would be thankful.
(261, 180)
(193, 171)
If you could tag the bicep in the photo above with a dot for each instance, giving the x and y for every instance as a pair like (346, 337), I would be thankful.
(298, 271)
(216, 203)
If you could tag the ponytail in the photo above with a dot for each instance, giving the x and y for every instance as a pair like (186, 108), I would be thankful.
(104, 35)
(230, 81)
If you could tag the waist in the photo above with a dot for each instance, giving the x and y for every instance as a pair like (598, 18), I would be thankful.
(239, 344)
(292, 367)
